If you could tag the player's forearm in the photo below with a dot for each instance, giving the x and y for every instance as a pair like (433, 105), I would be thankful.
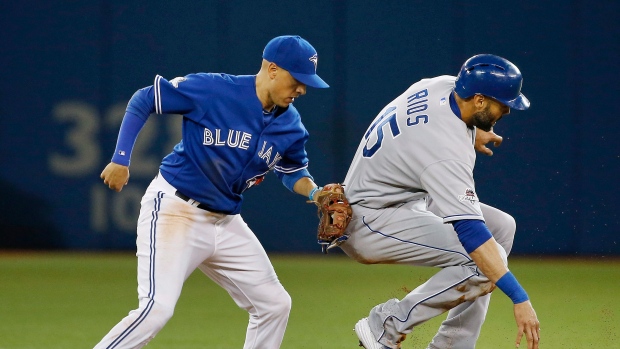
(490, 262)
(304, 186)
(139, 108)
(127, 136)
(484, 250)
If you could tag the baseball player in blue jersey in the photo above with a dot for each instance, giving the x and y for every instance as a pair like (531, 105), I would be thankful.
(236, 129)
(414, 202)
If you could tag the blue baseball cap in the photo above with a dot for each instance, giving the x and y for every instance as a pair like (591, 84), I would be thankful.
(297, 56)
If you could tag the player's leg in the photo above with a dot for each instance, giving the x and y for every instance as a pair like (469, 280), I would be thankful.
(409, 234)
(461, 328)
(412, 235)
(501, 224)
(241, 266)
(168, 249)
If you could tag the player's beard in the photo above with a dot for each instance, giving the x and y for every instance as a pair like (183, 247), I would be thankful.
(483, 119)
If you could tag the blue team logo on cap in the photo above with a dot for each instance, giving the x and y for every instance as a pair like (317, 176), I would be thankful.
(292, 53)
(314, 59)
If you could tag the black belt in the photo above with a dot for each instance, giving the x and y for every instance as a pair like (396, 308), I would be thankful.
(200, 206)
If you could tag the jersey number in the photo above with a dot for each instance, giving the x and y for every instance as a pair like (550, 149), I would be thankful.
(389, 116)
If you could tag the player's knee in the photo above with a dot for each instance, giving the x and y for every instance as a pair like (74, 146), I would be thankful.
(282, 305)
(272, 302)
(511, 225)
(279, 305)
(159, 315)
(502, 253)
(505, 234)
(152, 316)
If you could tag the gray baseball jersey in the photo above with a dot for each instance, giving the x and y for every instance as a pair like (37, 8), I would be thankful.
(411, 174)
(417, 146)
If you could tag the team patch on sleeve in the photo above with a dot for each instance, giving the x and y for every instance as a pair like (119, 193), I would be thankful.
(470, 196)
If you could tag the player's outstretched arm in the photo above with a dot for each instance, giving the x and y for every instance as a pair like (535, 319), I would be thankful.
(115, 176)
(491, 264)
(483, 138)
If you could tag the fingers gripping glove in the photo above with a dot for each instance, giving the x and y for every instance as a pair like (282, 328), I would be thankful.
(334, 213)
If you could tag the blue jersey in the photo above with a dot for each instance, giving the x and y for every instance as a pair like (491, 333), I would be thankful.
(227, 146)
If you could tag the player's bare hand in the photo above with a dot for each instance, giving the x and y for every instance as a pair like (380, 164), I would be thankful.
(115, 176)
(483, 138)
(528, 324)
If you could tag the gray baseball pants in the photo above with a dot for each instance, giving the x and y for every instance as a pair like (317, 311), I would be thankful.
(412, 234)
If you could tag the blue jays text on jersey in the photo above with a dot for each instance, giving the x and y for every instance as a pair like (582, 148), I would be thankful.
(227, 146)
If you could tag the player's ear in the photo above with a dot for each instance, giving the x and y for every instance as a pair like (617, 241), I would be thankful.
(272, 70)
(479, 101)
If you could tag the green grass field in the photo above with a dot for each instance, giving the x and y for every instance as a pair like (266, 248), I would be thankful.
(70, 300)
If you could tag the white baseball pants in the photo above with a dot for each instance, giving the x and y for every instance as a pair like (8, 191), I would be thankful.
(174, 238)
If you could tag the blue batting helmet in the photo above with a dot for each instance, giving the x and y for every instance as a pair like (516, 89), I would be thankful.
(492, 76)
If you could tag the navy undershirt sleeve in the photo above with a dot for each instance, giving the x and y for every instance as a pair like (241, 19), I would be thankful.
(472, 233)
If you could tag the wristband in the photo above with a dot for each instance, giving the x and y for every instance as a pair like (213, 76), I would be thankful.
(314, 190)
(510, 286)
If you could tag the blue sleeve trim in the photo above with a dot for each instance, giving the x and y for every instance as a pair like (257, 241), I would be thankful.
(289, 179)
(472, 233)
(131, 126)
(511, 287)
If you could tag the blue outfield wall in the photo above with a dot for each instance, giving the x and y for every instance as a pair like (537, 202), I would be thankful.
(69, 69)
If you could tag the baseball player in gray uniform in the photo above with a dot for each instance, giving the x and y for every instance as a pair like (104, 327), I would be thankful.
(414, 202)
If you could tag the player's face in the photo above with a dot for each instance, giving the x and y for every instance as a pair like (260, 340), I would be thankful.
(285, 88)
(485, 119)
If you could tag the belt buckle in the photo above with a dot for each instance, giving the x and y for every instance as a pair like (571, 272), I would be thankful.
(193, 202)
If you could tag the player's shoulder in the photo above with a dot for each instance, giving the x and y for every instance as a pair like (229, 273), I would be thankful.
(435, 85)
(205, 79)
(225, 79)
(435, 88)
(241, 80)
(438, 82)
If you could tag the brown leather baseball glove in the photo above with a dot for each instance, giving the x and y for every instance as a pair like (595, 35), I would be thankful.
(334, 213)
